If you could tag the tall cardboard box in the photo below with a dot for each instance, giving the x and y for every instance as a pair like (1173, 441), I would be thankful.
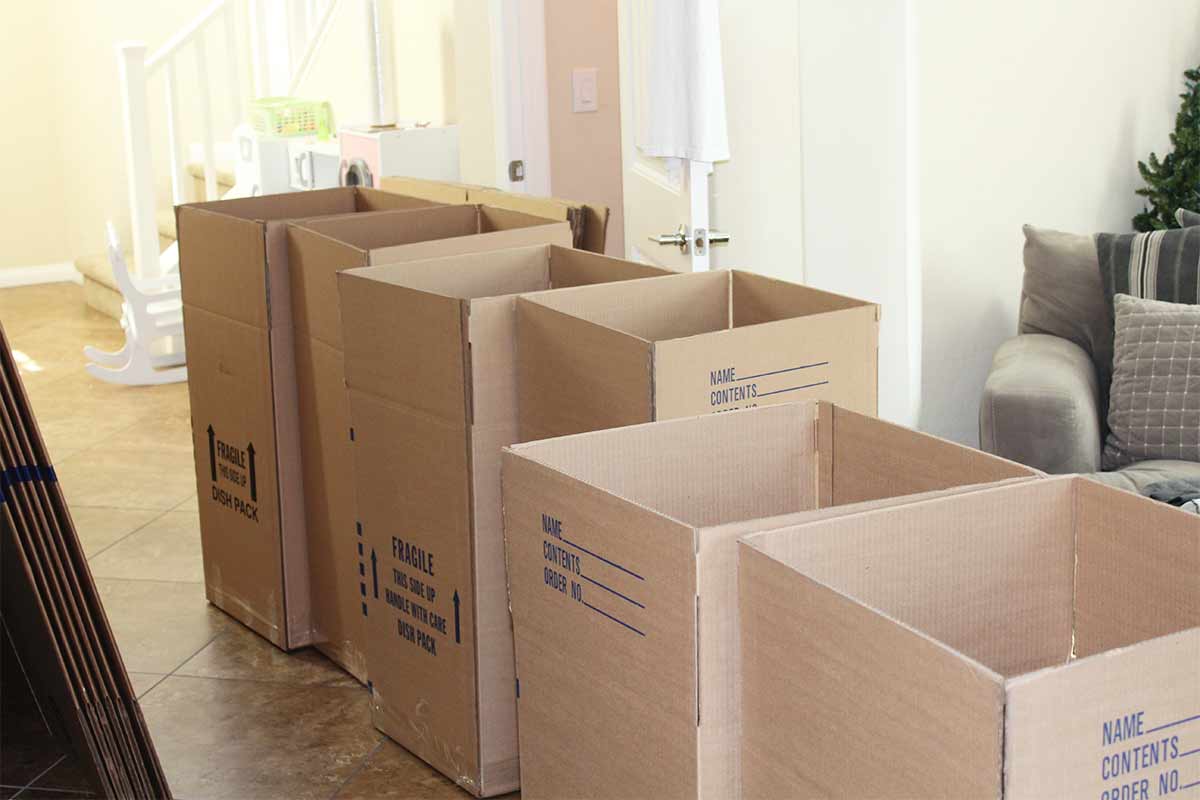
(600, 357)
(589, 221)
(430, 368)
(621, 549)
(317, 251)
(1028, 641)
(237, 313)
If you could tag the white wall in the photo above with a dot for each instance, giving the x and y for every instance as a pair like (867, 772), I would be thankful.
(854, 145)
(1029, 112)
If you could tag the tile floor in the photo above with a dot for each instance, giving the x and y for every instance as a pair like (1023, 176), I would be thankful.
(231, 716)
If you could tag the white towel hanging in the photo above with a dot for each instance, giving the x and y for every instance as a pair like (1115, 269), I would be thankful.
(681, 108)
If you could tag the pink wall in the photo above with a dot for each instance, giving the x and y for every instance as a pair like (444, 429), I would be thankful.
(585, 149)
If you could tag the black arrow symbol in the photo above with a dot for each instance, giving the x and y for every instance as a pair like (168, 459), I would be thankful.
(374, 574)
(457, 630)
(212, 453)
(253, 478)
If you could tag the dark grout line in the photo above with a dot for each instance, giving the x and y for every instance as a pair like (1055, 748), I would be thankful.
(362, 765)
(38, 777)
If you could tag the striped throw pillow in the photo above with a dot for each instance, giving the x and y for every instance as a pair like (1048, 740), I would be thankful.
(1160, 265)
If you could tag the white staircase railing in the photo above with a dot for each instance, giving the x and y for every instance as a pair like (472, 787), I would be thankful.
(283, 37)
(135, 69)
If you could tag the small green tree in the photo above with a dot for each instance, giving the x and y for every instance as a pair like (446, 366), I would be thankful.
(1174, 182)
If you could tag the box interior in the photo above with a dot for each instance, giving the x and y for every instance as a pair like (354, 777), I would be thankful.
(1019, 577)
(317, 203)
(694, 303)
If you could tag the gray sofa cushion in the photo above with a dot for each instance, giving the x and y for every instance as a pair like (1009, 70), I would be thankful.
(1154, 403)
(1062, 295)
(1185, 218)
(1136, 477)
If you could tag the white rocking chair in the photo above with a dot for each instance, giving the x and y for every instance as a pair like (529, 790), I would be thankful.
(152, 316)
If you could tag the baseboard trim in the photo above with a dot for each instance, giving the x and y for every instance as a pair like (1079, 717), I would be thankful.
(60, 272)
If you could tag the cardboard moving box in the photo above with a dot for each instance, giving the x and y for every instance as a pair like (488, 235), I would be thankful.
(589, 221)
(604, 356)
(430, 367)
(237, 313)
(318, 250)
(1030, 641)
(621, 549)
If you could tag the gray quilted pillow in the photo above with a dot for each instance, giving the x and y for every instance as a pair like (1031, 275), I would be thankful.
(1154, 404)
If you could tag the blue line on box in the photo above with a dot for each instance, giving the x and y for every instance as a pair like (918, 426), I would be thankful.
(781, 371)
(602, 558)
(610, 589)
(614, 619)
(794, 388)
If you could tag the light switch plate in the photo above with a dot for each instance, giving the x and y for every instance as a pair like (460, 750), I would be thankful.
(584, 91)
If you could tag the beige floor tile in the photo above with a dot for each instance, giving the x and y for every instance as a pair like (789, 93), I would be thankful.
(165, 549)
(99, 528)
(241, 653)
(392, 773)
(110, 474)
(252, 739)
(191, 504)
(144, 681)
(159, 625)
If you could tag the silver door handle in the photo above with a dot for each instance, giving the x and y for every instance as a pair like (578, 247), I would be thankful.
(679, 239)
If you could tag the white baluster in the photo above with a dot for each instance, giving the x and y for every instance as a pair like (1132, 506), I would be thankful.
(206, 122)
(232, 64)
(131, 66)
(174, 139)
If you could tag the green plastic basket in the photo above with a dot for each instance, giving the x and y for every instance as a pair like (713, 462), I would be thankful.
(291, 116)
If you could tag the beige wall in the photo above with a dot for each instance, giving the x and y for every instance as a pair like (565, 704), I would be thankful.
(31, 201)
(473, 91)
(70, 178)
(585, 149)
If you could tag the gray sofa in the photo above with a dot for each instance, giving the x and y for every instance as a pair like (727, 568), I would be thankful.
(1046, 399)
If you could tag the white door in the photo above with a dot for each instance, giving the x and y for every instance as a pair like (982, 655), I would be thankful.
(666, 199)
(819, 187)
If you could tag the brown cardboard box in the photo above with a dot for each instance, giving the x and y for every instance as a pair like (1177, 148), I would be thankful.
(589, 221)
(1028, 641)
(430, 349)
(237, 310)
(318, 250)
(604, 356)
(623, 582)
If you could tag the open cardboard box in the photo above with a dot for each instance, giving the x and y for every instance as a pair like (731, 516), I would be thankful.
(621, 548)
(589, 221)
(318, 250)
(600, 357)
(1028, 641)
(430, 367)
(238, 319)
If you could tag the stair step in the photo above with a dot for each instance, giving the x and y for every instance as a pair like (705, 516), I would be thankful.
(97, 269)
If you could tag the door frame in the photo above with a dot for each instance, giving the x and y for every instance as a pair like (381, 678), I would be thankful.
(520, 95)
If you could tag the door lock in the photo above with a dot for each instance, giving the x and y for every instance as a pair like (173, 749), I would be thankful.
(702, 239)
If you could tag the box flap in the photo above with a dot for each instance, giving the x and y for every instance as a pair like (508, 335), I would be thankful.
(367, 199)
(872, 459)
(385, 229)
(563, 361)
(438, 191)
(825, 356)
(589, 222)
(469, 275)
(1121, 724)
(673, 306)
(1138, 570)
(989, 573)
(383, 323)
(757, 299)
(314, 260)
(286, 205)
(223, 268)
(766, 463)
(570, 267)
(840, 701)
(603, 597)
